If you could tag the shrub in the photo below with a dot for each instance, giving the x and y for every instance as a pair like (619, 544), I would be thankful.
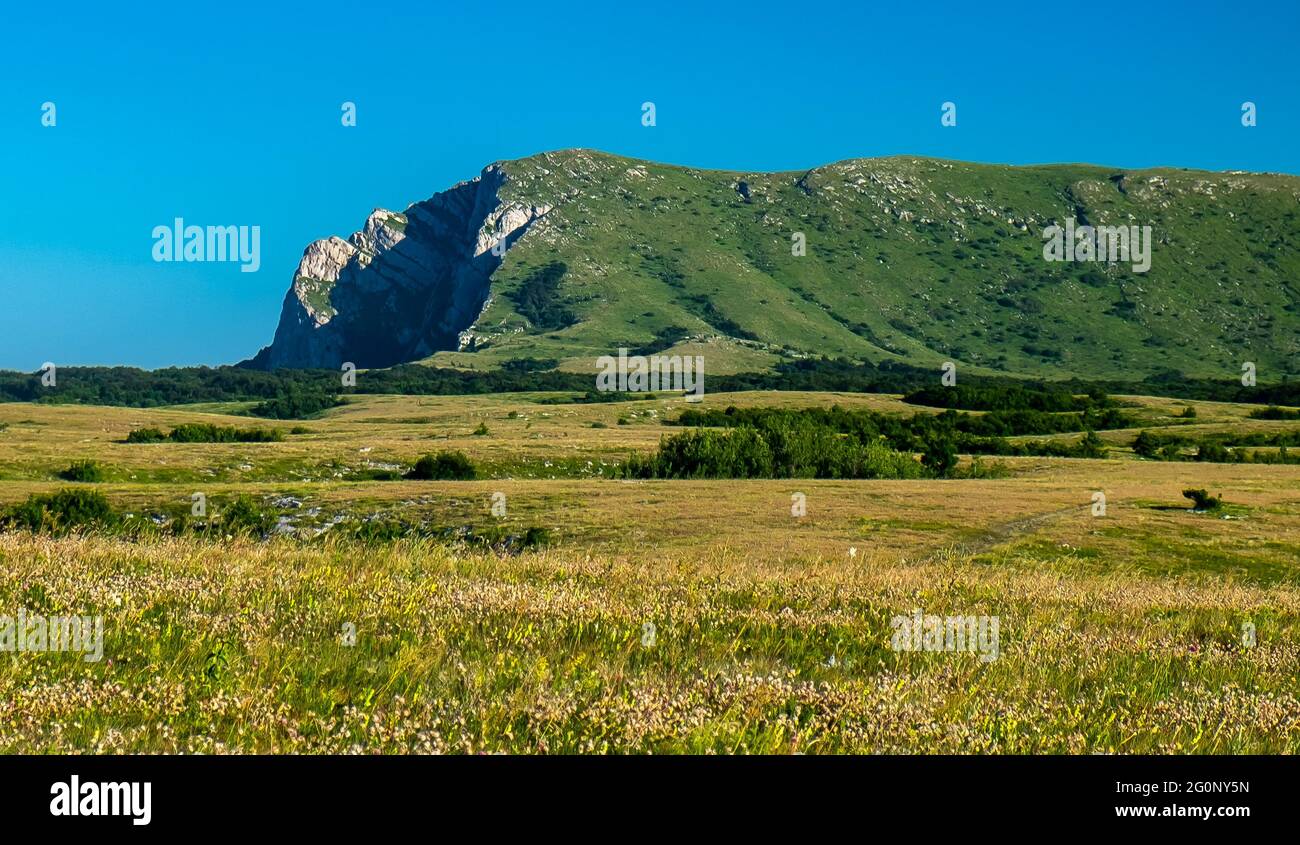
(1091, 446)
(60, 512)
(146, 435)
(1273, 412)
(740, 453)
(940, 456)
(537, 298)
(87, 471)
(1146, 444)
(482, 430)
(771, 451)
(1203, 501)
(295, 405)
(377, 475)
(243, 515)
(209, 433)
(979, 469)
(1213, 452)
(1171, 452)
(444, 466)
(535, 537)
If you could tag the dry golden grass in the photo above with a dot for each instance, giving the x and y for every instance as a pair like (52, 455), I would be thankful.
(1120, 632)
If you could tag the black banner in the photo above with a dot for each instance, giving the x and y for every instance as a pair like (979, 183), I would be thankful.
(142, 796)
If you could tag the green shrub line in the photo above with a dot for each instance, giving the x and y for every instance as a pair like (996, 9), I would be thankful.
(1224, 448)
(969, 434)
(206, 433)
(296, 405)
(1273, 412)
(286, 393)
(61, 512)
(803, 451)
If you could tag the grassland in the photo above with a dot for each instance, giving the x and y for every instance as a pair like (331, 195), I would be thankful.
(908, 259)
(770, 632)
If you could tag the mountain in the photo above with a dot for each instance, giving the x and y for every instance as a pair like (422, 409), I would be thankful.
(907, 259)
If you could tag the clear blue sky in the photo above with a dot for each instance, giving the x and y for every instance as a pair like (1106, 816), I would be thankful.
(230, 115)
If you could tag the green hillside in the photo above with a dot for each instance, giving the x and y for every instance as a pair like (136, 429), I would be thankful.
(910, 259)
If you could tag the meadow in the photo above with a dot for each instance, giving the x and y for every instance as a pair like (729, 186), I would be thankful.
(699, 616)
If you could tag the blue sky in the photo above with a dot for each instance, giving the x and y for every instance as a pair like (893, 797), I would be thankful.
(232, 117)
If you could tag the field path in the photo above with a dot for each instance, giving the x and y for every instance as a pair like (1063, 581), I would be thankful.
(1000, 533)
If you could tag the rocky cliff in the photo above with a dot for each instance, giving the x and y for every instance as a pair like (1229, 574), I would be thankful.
(403, 287)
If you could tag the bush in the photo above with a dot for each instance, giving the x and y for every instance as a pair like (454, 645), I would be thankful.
(444, 466)
(295, 405)
(537, 298)
(1273, 412)
(245, 516)
(1146, 444)
(1213, 452)
(87, 471)
(60, 512)
(535, 537)
(996, 397)
(146, 435)
(940, 456)
(1203, 501)
(481, 431)
(979, 469)
(776, 450)
(377, 475)
(1091, 446)
(209, 433)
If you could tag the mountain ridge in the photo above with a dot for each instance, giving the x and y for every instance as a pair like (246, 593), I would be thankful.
(908, 258)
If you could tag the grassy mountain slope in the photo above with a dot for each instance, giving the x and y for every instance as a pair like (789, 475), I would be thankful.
(910, 259)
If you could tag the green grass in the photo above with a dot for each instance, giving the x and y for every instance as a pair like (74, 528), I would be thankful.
(889, 275)
(459, 651)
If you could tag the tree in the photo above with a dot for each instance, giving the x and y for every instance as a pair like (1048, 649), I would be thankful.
(1091, 446)
(940, 456)
(1146, 444)
(1203, 501)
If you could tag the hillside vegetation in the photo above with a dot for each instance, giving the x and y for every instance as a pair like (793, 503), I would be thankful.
(908, 259)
